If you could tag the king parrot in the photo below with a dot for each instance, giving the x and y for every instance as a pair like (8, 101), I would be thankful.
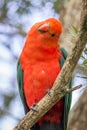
(39, 64)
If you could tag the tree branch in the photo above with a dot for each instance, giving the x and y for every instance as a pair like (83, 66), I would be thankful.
(59, 90)
(78, 120)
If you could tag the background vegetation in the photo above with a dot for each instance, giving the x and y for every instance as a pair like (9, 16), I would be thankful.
(16, 17)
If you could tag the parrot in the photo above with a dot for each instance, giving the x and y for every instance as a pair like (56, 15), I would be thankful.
(39, 64)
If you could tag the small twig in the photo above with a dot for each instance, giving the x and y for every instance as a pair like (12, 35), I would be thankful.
(85, 77)
(75, 88)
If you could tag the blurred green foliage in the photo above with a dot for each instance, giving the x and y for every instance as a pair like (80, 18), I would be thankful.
(74, 33)
(84, 58)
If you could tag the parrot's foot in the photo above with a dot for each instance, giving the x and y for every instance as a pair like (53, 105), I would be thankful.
(48, 91)
(33, 108)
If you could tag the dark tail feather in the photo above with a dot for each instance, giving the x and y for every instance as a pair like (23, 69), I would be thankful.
(50, 126)
(47, 126)
(35, 127)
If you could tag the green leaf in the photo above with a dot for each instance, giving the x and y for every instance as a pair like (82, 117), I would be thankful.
(82, 57)
(85, 50)
(73, 31)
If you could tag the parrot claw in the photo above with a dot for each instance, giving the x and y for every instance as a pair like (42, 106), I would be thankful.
(48, 91)
(33, 108)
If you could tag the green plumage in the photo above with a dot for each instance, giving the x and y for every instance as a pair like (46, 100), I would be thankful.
(68, 96)
(20, 79)
(20, 85)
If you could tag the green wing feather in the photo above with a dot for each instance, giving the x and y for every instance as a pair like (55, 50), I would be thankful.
(67, 98)
(20, 85)
(20, 79)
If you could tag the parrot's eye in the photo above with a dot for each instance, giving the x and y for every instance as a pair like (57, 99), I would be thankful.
(44, 28)
(53, 35)
(42, 31)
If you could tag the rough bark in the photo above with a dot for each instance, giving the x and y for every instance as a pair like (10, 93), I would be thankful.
(59, 90)
(70, 15)
(78, 119)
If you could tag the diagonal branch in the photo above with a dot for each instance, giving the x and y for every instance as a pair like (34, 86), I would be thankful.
(59, 90)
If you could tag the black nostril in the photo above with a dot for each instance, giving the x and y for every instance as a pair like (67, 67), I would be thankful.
(53, 35)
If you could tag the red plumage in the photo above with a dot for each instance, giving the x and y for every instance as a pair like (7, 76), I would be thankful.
(40, 63)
